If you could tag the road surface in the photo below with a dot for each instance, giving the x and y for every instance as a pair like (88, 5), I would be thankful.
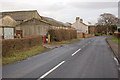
(88, 58)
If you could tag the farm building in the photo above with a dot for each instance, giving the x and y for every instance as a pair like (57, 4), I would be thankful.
(23, 24)
(7, 27)
(29, 23)
(32, 27)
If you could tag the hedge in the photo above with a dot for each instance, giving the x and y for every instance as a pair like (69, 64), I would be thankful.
(62, 34)
(117, 35)
(11, 45)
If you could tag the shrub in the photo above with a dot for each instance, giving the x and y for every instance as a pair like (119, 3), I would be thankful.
(11, 45)
(97, 34)
(62, 34)
(117, 35)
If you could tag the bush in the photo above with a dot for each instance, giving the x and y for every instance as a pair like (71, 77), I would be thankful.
(97, 34)
(11, 45)
(117, 35)
(62, 34)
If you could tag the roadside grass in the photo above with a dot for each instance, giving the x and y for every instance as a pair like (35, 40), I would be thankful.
(64, 42)
(115, 40)
(23, 54)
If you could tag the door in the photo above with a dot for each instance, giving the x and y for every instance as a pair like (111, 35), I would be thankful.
(8, 33)
(19, 33)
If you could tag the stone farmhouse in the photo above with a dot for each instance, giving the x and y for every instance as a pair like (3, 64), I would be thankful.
(80, 26)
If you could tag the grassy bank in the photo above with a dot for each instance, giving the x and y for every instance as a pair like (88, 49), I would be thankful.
(20, 55)
(23, 54)
(115, 40)
(64, 42)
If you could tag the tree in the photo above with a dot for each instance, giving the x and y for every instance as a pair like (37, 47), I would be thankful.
(108, 20)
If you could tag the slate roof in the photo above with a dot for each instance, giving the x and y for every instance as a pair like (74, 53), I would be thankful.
(21, 15)
(34, 19)
(8, 21)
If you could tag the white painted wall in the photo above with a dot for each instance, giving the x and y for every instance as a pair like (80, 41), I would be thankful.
(80, 26)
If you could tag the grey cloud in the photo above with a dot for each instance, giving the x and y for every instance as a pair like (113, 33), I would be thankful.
(94, 5)
(43, 7)
(8, 6)
(63, 11)
(55, 7)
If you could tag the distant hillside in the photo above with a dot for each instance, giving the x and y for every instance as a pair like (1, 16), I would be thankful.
(52, 21)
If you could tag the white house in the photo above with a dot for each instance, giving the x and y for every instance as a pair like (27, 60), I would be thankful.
(80, 26)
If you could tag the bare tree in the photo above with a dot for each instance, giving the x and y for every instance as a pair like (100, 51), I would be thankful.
(108, 20)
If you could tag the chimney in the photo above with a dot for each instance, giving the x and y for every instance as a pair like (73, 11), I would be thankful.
(79, 20)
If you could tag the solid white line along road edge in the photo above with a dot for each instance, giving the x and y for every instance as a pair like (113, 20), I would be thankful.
(116, 61)
(51, 70)
(76, 52)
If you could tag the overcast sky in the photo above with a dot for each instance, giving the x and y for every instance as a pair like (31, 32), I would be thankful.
(64, 10)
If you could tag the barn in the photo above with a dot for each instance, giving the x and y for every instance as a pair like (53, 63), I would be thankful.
(27, 23)
(32, 27)
(23, 24)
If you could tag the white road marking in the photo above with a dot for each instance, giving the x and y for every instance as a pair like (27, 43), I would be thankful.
(51, 70)
(76, 52)
(116, 60)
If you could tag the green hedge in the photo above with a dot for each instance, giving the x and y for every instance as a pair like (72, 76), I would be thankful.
(62, 34)
(11, 45)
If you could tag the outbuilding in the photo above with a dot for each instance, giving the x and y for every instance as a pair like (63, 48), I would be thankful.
(7, 27)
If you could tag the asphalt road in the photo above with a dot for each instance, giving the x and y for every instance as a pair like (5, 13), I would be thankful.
(88, 58)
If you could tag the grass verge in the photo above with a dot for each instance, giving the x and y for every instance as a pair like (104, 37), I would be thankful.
(64, 42)
(23, 54)
(115, 40)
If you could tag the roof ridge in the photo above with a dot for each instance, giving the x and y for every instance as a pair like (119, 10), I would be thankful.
(34, 18)
(19, 11)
